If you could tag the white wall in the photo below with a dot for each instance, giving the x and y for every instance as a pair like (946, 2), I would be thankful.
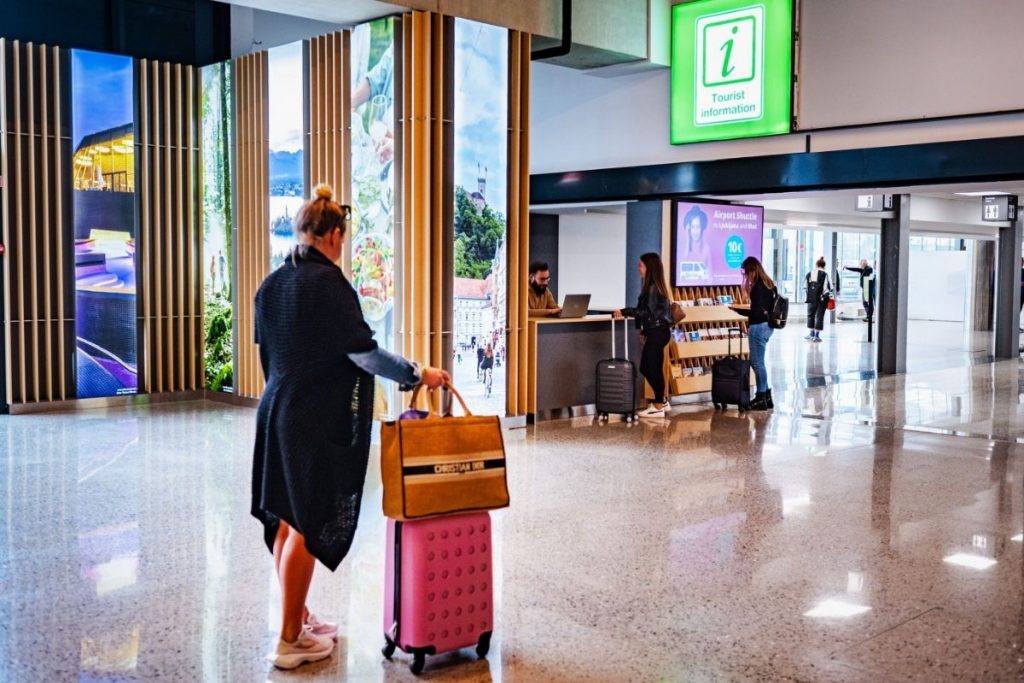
(592, 258)
(938, 285)
(933, 59)
(253, 30)
(879, 60)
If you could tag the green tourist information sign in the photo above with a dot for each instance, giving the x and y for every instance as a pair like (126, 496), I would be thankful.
(731, 69)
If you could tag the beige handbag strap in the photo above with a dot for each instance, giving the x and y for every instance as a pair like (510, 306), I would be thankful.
(431, 404)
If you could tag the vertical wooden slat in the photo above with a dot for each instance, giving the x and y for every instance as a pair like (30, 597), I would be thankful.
(33, 226)
(144, 239)
(6, 231)
(48, 235)
(19, 222)
(195, 336)
(179, 227)
(58, 183)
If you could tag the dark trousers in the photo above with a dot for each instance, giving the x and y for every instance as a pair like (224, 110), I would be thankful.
(869, 309)
(652, 361)
(816, 314)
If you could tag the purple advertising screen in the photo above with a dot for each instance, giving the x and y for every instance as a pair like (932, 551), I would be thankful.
(712, 240)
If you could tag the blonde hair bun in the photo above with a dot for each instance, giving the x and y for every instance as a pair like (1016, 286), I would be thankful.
(323, 191)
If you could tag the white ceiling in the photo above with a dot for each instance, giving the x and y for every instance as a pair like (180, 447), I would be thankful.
(330, 11)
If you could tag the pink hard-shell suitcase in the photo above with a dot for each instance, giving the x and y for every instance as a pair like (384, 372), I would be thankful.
(438, 595)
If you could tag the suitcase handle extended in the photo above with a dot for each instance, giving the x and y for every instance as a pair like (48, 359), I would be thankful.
(625, 330)
(739, 333)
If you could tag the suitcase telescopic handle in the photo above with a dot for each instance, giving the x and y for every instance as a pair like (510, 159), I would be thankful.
(625, 330)
(739, 333)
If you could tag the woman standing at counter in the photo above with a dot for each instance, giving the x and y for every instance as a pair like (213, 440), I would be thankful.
(653, 314)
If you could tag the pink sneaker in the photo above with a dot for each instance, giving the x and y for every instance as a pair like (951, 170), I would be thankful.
(306, 648)
(326, 629)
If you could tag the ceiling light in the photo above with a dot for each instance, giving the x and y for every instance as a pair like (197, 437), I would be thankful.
(984, 193)
(970, 561)
(836, 609)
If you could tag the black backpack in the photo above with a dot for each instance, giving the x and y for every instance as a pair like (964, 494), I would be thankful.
(779, 313)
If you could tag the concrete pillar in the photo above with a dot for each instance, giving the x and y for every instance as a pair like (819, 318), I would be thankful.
(984, 285)
(1007, 314)
(644, 222)
(892, 283)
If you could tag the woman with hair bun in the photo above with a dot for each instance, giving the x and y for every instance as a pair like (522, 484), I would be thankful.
(313, 423)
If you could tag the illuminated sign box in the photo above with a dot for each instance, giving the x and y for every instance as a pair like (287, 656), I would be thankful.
(731, 69)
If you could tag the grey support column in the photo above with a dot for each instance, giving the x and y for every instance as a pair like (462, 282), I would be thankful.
(983, 301)
(643, 234)
(1008, 267)
(892, 282)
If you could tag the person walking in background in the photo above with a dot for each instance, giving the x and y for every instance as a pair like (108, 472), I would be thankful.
(313, 423)
(819, 292)
(867, 287)
(761, 292)
(653, 315)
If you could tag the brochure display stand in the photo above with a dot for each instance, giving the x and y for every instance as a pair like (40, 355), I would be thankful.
(703, 336)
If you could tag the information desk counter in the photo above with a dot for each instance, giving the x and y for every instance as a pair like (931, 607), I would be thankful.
(563, 359)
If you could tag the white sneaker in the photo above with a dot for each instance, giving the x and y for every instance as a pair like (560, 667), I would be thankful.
(321, 628)
(652, 412)
(308, 647)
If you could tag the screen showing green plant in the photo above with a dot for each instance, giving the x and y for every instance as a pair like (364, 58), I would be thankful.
(216, 101)
(732, 64)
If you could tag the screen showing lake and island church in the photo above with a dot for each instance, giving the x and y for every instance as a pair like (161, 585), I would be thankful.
(712, 240)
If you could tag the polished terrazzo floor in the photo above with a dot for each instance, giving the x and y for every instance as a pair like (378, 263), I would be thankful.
(865, 531)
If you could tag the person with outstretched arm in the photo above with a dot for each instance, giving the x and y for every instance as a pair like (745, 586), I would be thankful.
(867, 287)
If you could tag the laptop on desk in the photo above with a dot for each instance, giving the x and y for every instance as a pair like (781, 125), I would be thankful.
(574, 306)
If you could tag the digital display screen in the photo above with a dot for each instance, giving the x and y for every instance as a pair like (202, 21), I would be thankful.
(712, 240)
(103, 178)
(217, 248)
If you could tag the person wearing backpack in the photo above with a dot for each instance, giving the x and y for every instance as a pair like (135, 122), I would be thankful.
(761, 291)
(819, 292)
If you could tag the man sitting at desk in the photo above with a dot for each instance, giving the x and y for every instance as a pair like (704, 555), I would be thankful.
(542, 301)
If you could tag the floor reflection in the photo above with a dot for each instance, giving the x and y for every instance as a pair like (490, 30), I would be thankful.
(837, 538)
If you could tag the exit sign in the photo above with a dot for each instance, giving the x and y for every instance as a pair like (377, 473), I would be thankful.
(731, 69)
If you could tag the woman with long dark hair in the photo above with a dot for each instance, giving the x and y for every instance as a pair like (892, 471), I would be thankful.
(760, 290)
(653, 315)
(313, 423)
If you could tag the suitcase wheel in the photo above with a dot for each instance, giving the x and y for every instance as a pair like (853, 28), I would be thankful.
(388, 649)
(483, 646)
(418, 661)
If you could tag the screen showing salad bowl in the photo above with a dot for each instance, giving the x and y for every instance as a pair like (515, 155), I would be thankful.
(373, 274)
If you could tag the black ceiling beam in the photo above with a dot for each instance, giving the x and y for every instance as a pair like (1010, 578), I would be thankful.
(964, 161)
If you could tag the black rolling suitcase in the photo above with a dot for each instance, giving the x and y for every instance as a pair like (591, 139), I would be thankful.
(730, 378)
(616, 383)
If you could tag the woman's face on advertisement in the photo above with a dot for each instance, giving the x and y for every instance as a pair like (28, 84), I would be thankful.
(694, 228)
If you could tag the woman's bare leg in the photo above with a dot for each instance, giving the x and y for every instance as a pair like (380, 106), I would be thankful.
(295, 573)
(279, 539)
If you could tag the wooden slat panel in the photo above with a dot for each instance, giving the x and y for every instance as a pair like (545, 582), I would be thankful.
(253, 199)
(520, 378)
(33, 221)
(169, 236)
